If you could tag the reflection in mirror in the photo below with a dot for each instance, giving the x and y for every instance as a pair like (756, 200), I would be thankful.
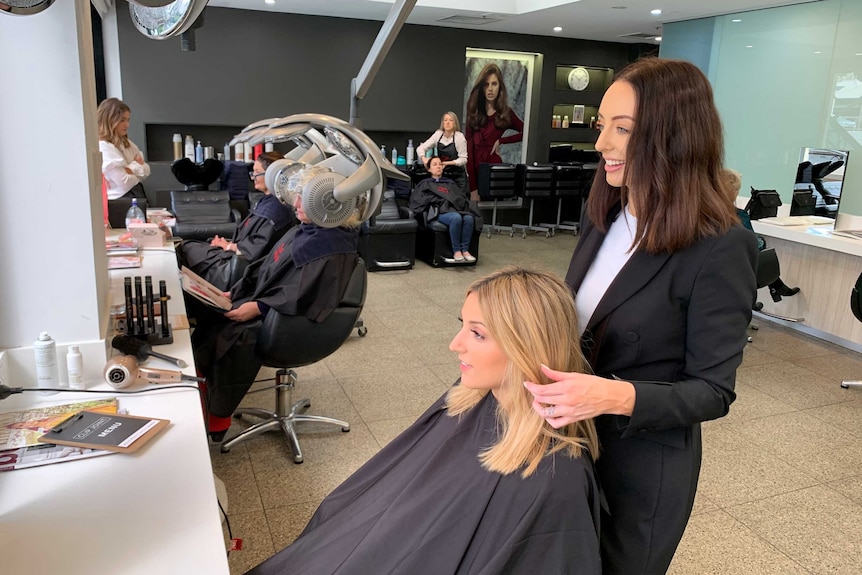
(819, 176)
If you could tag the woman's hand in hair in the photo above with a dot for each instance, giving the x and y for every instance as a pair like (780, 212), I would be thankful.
(575, 397)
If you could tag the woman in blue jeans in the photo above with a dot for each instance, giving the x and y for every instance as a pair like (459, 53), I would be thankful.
(439, 198)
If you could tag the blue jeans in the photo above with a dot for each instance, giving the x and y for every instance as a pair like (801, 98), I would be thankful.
(460, 229)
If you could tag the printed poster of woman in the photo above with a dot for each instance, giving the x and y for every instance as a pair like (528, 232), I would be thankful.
(494, 109)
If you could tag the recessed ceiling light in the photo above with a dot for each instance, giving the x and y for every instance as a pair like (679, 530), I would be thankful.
(558, 28)
(269, 1)
(818, 52)
(655, 12)
(749, 46)
(658, 38)
(858, 54)
(736, 20)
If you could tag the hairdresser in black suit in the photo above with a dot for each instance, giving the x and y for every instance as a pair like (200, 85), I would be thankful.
(664, 277)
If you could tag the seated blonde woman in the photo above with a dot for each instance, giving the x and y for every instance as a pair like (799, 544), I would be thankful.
(480, 483)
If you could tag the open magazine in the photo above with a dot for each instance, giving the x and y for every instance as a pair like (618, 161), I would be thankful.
(203, 290)
(20, 432)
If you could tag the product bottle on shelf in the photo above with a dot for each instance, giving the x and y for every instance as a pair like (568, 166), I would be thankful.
(410, 152)
(394, 155)
(47, 374)
(565, 121)
(190, 148)
(178, 147)
(227, 152)
(199, 153)
(135, 215)
(249, 153)
(239, 152)
(75, 367)
(592, 121)
(383, 150)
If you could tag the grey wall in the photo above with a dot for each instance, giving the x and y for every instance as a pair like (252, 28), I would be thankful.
(253, 65)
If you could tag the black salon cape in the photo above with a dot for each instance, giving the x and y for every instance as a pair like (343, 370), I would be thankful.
(433, 197)
(254, 237)
(425, 506)
(224, 349)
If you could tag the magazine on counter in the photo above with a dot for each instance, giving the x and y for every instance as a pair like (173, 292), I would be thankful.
(20, 432)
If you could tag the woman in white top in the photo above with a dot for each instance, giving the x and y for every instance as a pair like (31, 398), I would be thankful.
(450, 145)
(122, 162)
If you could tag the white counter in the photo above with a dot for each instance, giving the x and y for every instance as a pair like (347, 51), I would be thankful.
(825, 268)
(153, 511)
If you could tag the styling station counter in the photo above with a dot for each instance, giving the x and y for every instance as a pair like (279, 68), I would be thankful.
(152, 511)
(825, 267)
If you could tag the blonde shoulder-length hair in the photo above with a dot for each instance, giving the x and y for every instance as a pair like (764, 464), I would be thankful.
(454, 119)
(108, 115)
(531, 315)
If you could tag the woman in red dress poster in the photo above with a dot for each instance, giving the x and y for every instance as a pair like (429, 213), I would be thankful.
(488, 118)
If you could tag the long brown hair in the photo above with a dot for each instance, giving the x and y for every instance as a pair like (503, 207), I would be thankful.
(108, 115)
(476, 113)
(674, 160)
(531, 315)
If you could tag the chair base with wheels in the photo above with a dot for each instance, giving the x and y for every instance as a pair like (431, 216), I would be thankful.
(284, 417)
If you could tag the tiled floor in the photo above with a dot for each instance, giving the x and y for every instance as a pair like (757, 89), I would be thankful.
(781, 486)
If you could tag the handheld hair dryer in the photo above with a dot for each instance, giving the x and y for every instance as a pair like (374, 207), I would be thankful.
(122, 371)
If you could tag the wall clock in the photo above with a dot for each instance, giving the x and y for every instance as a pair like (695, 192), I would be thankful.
(579, 78)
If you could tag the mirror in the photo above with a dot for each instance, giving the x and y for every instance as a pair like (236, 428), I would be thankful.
(820, 174)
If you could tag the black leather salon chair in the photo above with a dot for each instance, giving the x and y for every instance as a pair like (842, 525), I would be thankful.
(434, 246)
(202, 215)
(388, 241)
(496, 182)
(286, 342)
(531, 182)
(117, 211)
(856, 308)
(571, 182)
(253, 198)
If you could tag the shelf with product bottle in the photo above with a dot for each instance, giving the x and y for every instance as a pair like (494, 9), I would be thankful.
(574, 117)
(159, 138)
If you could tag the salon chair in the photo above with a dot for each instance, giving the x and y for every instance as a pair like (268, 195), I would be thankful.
(856, 308)
(571, 181)
(286, 342)
(533, 182)
(496, 182)
(388, 240)
(253, 198)
(434, 246)
(202, 215)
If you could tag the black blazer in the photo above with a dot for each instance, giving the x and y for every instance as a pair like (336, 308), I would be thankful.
(672, 324)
